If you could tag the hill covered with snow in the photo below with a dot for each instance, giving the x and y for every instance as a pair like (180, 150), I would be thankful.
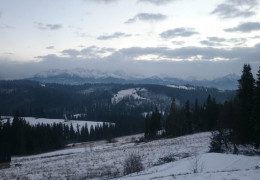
(173, 158)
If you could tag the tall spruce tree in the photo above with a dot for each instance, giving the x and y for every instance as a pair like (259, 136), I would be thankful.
(196, 117)
(245, 125)
(146, 131)
(155, 123)
(257, 110)
(187, 124)
(173, 123)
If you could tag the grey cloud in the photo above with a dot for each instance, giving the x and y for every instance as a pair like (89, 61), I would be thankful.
(236, 8)
(258, 46)
(113, 36)
(210, 43)
(206, 53)
(178, 42)
(48, 26)
(178, 32)
(183, 53)
(213, 41)
(5, 26)
(157, 2)
(50, 47)
(82, 34)
(245, 27)
(101, 1)
(244, 2)
(147, 17)
(216, 41)
(124, 60)
(88, 52)
(71, 52)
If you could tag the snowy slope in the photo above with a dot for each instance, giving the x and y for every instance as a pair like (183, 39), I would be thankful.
(102, 160)
(212, 166)
(126, 94)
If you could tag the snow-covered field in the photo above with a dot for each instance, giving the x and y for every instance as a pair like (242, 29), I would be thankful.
(75, 123)
(102, 160)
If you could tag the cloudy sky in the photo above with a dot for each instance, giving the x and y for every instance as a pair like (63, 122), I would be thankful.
(177, 38)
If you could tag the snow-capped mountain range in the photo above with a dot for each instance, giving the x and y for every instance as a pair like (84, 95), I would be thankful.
(82, 76)
(86, 73)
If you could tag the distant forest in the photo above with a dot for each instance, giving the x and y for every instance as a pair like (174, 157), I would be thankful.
(174, 111)
(93, 101)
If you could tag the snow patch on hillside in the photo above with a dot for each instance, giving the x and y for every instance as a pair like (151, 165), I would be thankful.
(34, 121)
(181, 87)
(127, 93)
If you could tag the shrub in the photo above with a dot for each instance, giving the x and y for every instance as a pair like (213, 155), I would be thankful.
(196, 164)
(132, 164)
(216, 142)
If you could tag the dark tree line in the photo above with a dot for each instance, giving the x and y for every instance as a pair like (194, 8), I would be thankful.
(20, 138)
(236, 121)
(185, 120)
(242, 115)
(188, 120)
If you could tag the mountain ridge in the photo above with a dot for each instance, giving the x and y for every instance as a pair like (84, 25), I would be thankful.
(81, 76)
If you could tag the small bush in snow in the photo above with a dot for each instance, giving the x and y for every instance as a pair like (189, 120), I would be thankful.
(196, 164)
(111, 140)
(166, 159)
(132, 164)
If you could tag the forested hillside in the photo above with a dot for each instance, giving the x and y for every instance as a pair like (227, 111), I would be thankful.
(95, 102)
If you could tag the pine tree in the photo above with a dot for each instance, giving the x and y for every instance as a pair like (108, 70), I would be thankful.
(146, 132)
(72, 133)
(188, 122)
(257, 110)
(155, 123)
(211, 114)
(245, 124)
(196, 117)
(216, 141)
(173, 124)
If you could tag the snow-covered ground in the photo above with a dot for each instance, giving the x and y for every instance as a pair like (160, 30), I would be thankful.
(75, 123)
(133, 92)
(210, 166)
(102, 160)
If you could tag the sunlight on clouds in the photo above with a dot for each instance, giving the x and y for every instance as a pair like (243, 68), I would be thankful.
(219, 59)
(149, 57)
